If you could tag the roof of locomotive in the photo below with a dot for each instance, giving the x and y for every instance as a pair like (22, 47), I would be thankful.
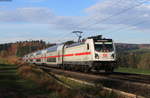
(75, 44)
(100, 39)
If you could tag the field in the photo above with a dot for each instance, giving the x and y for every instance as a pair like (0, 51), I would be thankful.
(133, 70)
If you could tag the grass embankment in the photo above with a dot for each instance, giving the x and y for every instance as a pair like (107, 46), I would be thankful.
(24, 82)
(12, 86)
(58, 86)
(133, 70)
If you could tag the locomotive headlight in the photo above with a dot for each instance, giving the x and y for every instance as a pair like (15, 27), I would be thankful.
(96, 56)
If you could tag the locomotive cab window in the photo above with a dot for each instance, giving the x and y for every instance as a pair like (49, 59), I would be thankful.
(104, 47)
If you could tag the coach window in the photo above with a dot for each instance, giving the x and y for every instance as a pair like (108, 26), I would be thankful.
(51, 60)
(87, 46)
(38, 60)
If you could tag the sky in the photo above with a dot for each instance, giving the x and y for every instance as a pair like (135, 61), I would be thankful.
(125, 21)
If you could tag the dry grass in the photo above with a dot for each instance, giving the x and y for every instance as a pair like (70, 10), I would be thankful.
(9, 60)
(43, 80)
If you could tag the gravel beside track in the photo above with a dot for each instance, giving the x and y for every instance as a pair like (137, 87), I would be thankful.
(131, 83)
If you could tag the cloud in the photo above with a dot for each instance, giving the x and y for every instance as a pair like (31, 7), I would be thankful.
(106, 13)
(38, 15)
(137, 18)
(93, 21)
(29, 14)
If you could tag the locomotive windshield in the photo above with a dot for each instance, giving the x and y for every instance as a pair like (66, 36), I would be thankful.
(104, 46)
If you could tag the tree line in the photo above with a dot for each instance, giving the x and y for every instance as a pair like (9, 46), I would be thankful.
(22, 48)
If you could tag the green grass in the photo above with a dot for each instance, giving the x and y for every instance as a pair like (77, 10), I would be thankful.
(133, 70)
(7, 65)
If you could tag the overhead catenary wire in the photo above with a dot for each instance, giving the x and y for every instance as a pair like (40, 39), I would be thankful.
(109, 17)
(129, 19)
(129, 26)
(61, 36)
(117, 14)
(123, 28)
(91, 17)
(61, 39)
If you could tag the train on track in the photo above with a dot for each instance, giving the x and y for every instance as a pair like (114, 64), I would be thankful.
(94, 53)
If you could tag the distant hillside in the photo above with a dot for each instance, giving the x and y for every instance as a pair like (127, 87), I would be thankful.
(144, 46)
(133, 55)
(126, 47)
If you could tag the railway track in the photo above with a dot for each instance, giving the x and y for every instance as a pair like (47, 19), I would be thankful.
(127, 77)
(131, 83)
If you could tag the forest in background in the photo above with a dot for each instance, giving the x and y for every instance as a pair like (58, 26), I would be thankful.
(128, 55)
(22, 48)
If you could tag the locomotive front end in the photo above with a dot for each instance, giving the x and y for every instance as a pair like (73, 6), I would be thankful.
(104, 50)
(104, 54)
